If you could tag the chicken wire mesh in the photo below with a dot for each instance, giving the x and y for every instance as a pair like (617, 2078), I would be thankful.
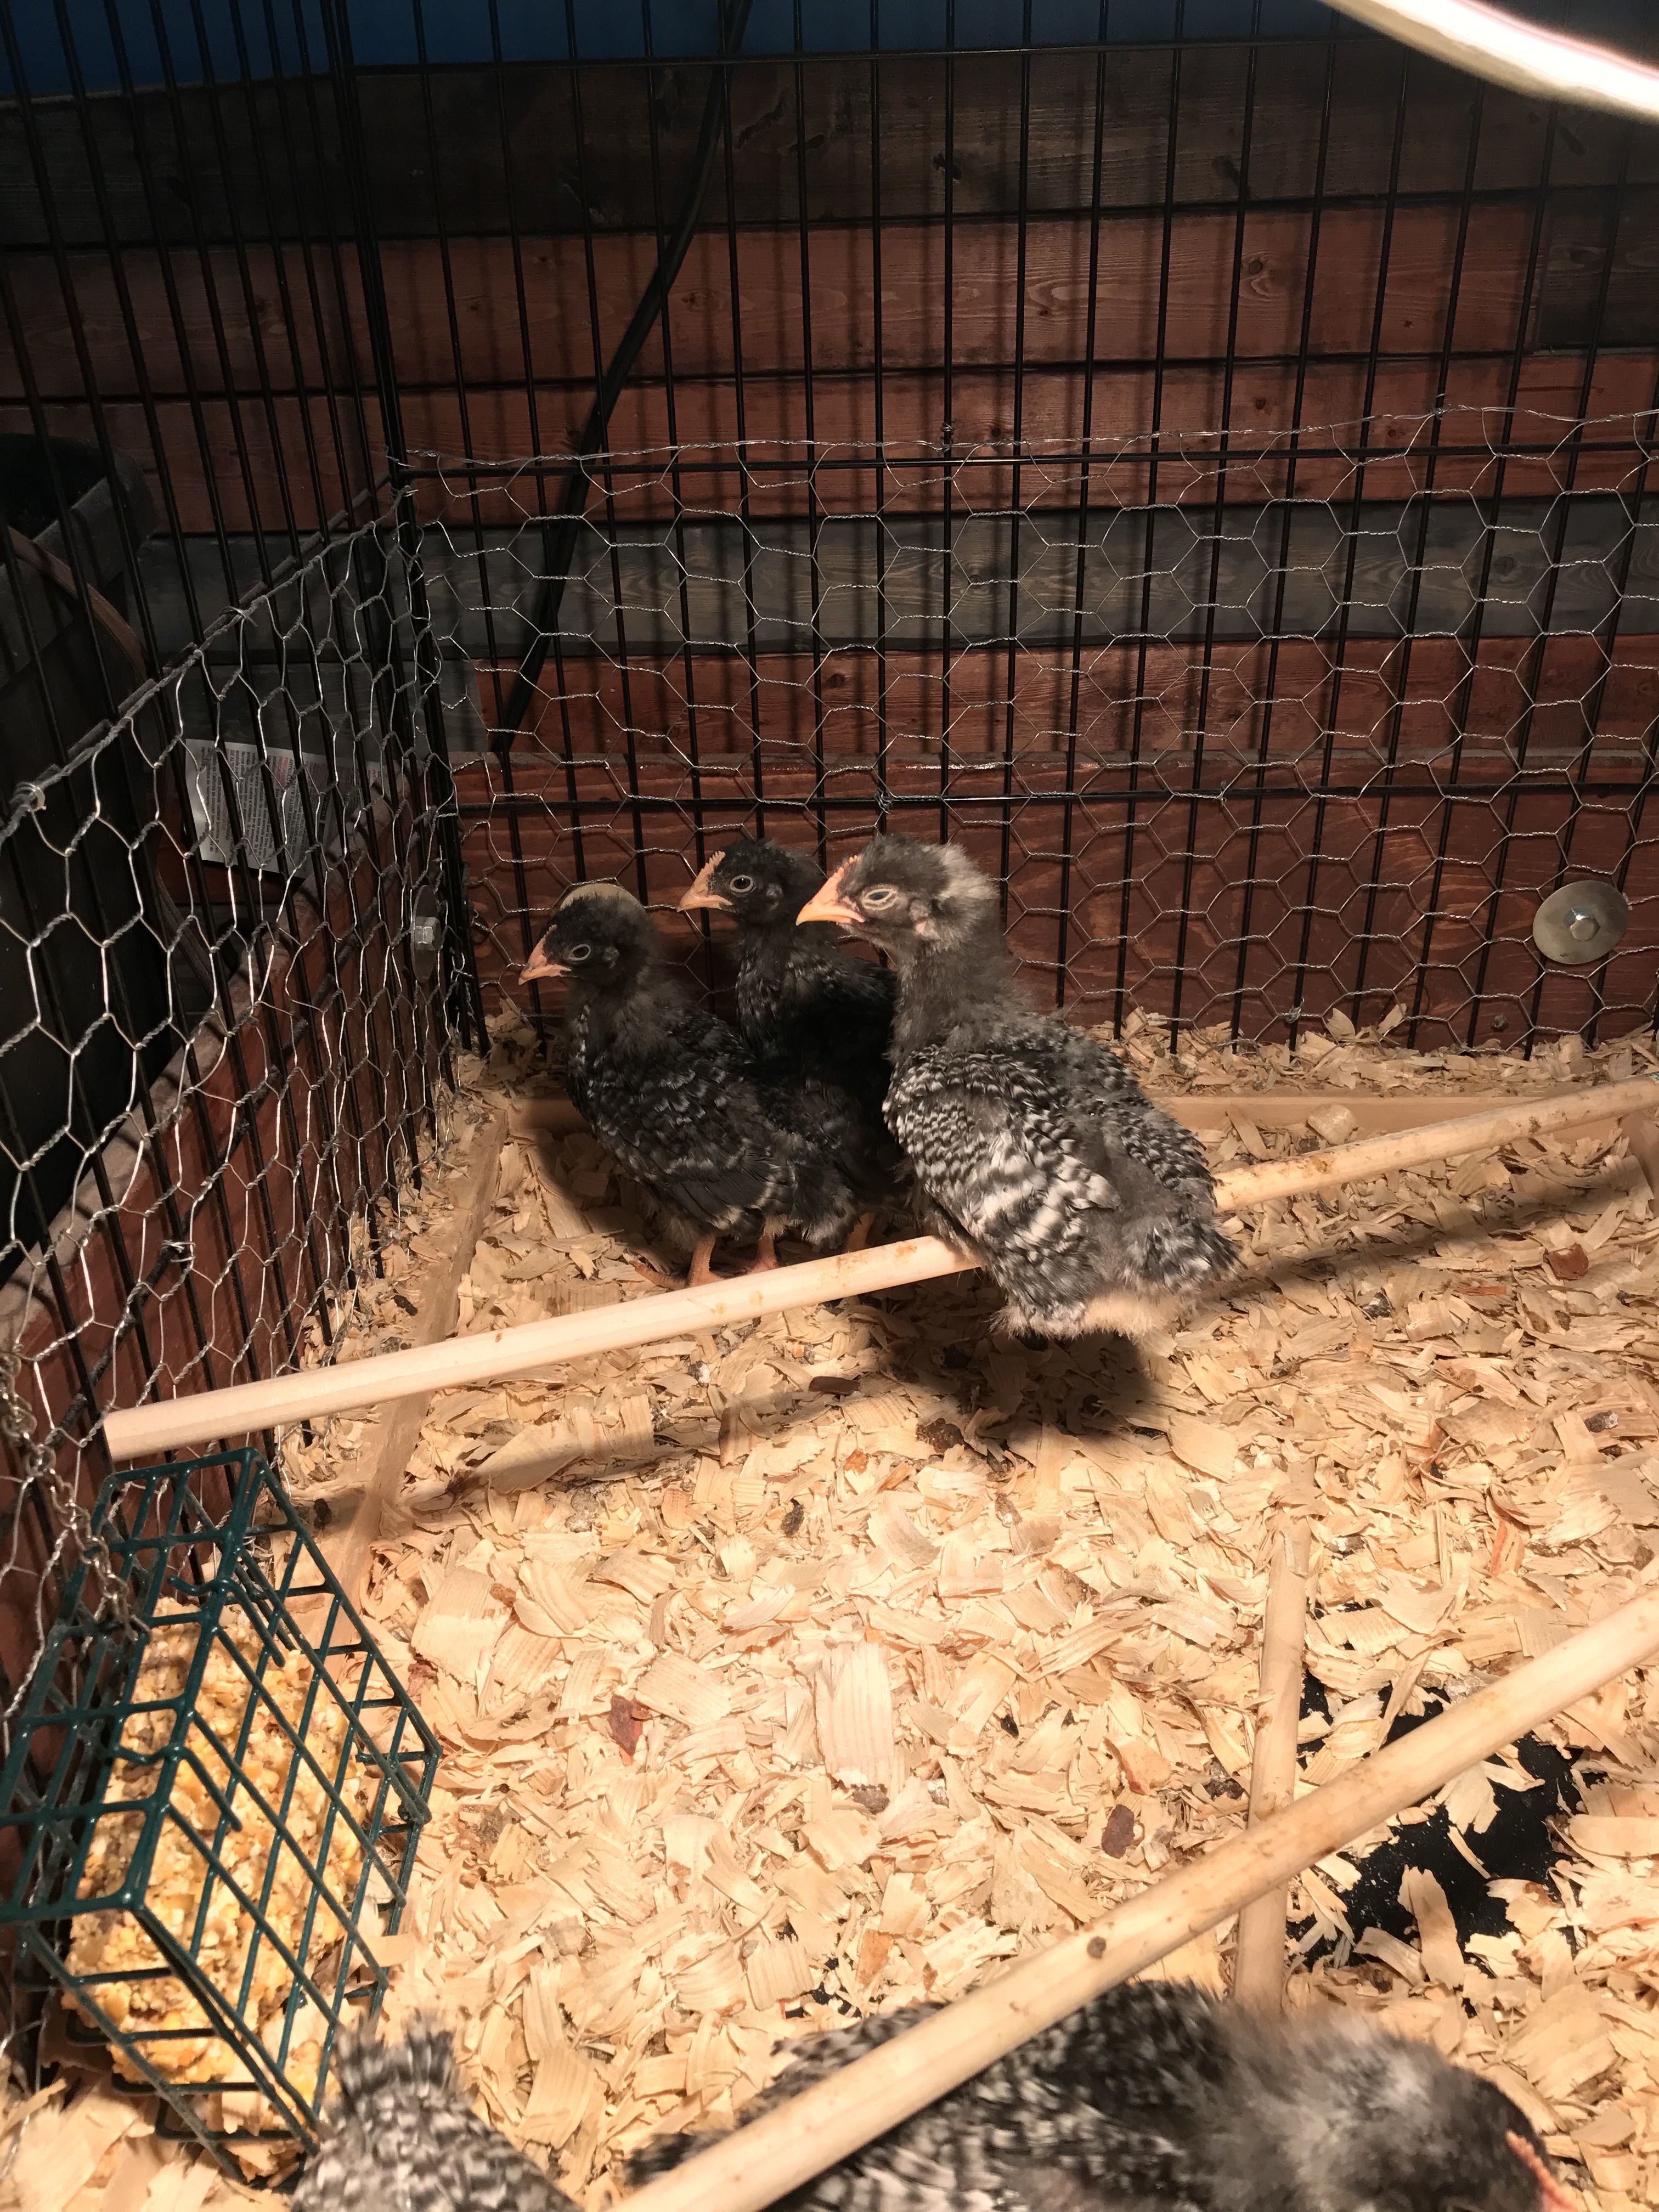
(218, 1789)
(223, 1014)
(1254, 729)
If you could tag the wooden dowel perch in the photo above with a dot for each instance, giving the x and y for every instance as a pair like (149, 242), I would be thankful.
(1437, 1140)
(777, 2153)
(1259, 1957)
(349, 1542)
(245, 1408)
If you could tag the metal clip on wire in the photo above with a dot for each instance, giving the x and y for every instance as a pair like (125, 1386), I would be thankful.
(37, 1465)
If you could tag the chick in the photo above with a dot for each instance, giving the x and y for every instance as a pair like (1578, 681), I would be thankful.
(802, 1005)
(673, 1093)
(1033, 1146)
(1155, 2098)
(818, 1022)
(400, 2136)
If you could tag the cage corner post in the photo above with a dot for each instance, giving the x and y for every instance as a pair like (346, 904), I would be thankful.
(464, 992)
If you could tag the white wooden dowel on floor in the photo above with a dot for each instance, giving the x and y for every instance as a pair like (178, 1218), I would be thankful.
(1259, 1955)
(489, 1355)
(786, 2147)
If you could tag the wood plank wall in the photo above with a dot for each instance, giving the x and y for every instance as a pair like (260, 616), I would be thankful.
(1286, 239)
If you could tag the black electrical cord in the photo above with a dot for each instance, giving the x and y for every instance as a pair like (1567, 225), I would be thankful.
(561, 530)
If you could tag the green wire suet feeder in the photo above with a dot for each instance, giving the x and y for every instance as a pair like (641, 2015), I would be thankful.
(216, 1812)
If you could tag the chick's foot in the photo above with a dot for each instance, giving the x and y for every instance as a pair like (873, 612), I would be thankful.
(765, 1259)
(700, 1271)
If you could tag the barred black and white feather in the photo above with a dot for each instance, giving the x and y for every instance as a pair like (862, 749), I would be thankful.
(400, 2136)
(1155, 2098)
(1033, 1143)
(674, 1095)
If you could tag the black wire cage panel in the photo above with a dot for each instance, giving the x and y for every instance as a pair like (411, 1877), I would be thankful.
(224, 1024)
(220, 909)
(1253, 729)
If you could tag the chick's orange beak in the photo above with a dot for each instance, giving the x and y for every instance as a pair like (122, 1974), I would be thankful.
(827, 905)
(539, 969)
(700, 893)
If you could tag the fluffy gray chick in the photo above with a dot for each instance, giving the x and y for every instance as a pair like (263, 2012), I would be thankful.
(1154, 2098)
(1032, 1145)
(400, 2136)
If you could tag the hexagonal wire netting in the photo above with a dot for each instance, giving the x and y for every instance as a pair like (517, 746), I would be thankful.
(222, 1020)
(1253, 729)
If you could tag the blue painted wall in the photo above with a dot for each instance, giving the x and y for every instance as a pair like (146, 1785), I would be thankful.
(238, 38)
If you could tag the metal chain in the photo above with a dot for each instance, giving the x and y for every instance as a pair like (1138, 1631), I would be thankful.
(17, 1426)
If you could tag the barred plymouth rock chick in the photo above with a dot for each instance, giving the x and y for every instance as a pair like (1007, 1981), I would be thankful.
(672, 1092)
(400, 2136)
(818, 1021)
(1034, 1145)
(1155, 2098)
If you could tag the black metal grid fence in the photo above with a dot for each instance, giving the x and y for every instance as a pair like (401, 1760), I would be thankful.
(1250, 730)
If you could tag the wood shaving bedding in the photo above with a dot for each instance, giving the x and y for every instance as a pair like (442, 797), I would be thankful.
(765, 1705)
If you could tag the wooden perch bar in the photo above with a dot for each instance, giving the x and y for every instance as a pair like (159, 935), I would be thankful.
(1259, 1957)
(489, 1356)
(1309, 1172)
(245, 1408)
(384, 1455)
(788, 2145)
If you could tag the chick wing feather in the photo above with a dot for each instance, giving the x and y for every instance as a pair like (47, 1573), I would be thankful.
(839, 1012)
(1000, 1152)
(1092, 2110)
(817, 1008)
(684, 1119)
(819, 1024)
(1062, 1176)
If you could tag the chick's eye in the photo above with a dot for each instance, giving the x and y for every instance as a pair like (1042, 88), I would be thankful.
(579, 953)
(743, 882)
(882, 895)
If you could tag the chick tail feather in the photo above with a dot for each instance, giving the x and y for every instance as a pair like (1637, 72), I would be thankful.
(421, 2068)
(823, 1206)
(1182, 1255)
(661, 2155)
(1170, 1269)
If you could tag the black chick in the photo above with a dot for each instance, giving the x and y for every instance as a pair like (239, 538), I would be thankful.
(400, 2136)
(803, 1004)
(672, 1092)
(818, 1021)
(1035, 1146)
(1155, 2098)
